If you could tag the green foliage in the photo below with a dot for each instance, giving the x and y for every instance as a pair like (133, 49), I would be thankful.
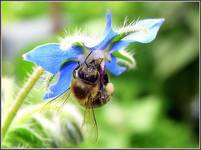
(24, 137)
(18, 13)
(125, 58)
(164, 134)
(151, 103)
(38, 127)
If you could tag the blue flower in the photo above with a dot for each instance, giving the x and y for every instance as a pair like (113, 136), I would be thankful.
(62, 58)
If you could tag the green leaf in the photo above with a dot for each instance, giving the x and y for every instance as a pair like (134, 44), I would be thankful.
(25, 137)
(118, 37)
(125, 58)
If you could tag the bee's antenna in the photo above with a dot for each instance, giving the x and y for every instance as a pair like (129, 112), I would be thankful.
(85, 61)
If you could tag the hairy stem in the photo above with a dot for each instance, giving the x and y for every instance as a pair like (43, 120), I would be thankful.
(20, 99)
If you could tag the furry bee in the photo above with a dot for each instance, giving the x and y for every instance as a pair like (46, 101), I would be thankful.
(91, 84)
(92, 89)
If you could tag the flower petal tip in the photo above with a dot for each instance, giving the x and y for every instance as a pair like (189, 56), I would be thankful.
(24, 56)
(143, 31)
(108, 20)
(161, 20)
(109, 13)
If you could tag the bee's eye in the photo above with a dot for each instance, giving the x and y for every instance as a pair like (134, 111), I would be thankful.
(88, 75)
(94, 78)
(81, 74)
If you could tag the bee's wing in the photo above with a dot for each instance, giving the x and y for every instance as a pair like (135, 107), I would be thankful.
(58, 102)
(89, 125)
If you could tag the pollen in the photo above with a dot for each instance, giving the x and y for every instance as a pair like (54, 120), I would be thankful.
(110, 88)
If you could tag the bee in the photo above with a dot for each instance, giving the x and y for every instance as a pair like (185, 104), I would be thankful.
(91, 84)
(91, 87)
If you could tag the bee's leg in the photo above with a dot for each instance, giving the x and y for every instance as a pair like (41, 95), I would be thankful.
(74, 71)
(101, 61)
(108, 97)
(90, 100)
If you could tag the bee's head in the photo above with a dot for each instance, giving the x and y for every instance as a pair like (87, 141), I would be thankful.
(88, 74)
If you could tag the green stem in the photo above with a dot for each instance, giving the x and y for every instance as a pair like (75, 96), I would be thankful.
(20, 99)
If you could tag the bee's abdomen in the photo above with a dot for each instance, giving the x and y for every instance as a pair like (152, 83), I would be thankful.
(79, 90)
(80, 93)
(83, 91)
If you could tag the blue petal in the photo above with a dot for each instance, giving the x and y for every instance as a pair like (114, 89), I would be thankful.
(108, 34)
(51, 57)
(148, 29)
(109, 22)
(63, 82)
(114, 68)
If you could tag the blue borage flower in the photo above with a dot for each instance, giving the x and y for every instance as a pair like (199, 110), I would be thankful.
(62, 58)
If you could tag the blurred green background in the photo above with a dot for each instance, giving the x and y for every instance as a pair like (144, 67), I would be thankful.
(154, 105)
